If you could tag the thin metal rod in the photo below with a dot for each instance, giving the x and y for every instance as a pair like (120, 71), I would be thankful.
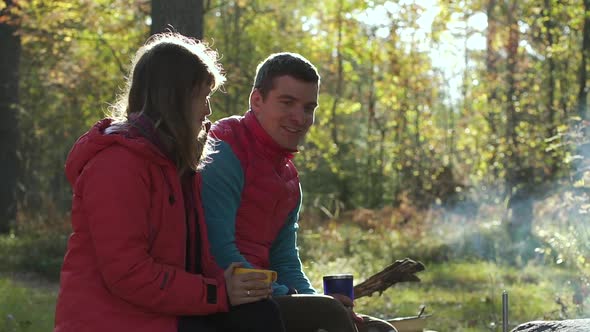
(504, 311)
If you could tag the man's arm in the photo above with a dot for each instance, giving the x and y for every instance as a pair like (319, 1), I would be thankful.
(284, 258)
(221, 192)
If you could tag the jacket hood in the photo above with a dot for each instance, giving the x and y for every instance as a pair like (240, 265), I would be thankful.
(96, 140)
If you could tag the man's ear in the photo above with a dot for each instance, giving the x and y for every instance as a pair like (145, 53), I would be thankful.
(255, 100)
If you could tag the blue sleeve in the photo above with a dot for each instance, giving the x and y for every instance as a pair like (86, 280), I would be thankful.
(221, 192)
(284, 258)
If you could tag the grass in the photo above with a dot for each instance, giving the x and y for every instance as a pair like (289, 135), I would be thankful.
(467, 271)
(464, 296)
(467, 296)
(468, 266)
(26, 308)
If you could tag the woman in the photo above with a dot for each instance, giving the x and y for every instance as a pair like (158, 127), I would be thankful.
(138, 256)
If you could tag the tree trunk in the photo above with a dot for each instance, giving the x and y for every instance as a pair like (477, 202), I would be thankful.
(226, 45)
(492, 81)
(339, 77)
(465, 108)
(564, 93)
(237, 28)
(380, 185)
(511, 117)
(369, 158)
(375, 164)
(184, 16)
(343, 187)
(583, 74)
(10, 48)
(551, 111)
(519, 178)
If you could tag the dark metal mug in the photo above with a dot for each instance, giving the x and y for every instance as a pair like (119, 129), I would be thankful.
(339, 284)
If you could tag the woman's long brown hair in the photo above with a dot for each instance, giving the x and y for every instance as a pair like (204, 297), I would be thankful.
(165, 73)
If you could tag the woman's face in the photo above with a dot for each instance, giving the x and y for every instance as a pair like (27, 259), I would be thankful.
(200, 108)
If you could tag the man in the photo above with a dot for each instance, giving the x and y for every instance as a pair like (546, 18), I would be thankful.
(251, 193)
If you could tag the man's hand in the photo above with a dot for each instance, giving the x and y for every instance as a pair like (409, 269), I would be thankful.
(247, 287)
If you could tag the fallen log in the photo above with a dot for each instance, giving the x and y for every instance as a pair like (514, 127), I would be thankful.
(572, 325)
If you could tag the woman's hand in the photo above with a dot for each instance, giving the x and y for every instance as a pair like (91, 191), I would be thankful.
(247, 287)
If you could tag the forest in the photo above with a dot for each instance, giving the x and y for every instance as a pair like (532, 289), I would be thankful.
(451, 132)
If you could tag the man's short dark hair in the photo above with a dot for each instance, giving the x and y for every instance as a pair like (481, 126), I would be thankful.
(284, 64)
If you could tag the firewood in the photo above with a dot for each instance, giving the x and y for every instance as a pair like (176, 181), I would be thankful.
(400, 271)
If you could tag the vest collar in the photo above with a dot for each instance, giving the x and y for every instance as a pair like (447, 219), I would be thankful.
(266, 143)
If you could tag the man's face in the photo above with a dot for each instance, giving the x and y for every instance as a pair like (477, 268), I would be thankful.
(288, 110)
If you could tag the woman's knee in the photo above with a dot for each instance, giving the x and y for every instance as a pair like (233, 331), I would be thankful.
(268, 307)
(261, 308)
(258, 316)
(311, 313)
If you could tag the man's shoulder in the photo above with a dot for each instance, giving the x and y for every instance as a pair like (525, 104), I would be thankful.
(226, 126)
(232, 131)
(229, 138)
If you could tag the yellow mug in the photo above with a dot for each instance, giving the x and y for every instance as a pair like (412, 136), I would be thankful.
(271, 276)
